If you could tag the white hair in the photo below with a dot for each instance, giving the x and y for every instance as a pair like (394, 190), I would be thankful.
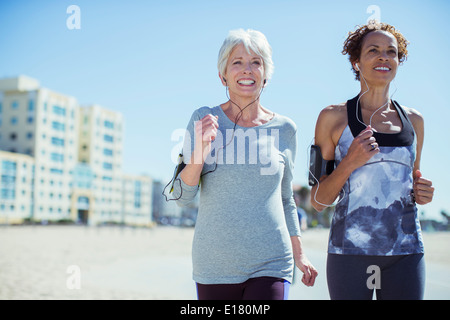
(252, 40)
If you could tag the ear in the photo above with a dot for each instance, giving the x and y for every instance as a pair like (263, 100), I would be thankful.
(223, 80)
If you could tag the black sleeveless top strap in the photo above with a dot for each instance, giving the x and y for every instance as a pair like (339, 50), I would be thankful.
(403, 138)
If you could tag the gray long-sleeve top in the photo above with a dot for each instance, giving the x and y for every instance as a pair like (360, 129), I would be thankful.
(247, 211)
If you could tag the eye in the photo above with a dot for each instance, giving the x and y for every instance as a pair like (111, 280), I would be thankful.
(373, 50)
(392, 51)
(237, 62)
(257, 62)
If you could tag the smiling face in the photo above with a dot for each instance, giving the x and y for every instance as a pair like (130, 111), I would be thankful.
(244, 72)
(379, 61)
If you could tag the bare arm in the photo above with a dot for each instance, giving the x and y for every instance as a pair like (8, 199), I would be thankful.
(423, 188)
(302, 262)
(329, 127)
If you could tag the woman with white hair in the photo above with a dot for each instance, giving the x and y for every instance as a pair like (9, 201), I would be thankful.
(241, 154)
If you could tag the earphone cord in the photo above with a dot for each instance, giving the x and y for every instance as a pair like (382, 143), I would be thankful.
(318, 183)
(357, 102)
(164, 190)
(236, 120)
(357, 118)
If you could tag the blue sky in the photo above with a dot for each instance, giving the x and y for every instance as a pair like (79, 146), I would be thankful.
(155, 62)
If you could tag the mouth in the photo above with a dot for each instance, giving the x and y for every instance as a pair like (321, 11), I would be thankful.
(246, 82)
(382, 68)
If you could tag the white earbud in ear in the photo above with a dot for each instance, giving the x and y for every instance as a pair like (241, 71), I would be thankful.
(356, 67)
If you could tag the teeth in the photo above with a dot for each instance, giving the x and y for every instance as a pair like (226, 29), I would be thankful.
(382, 68)
(246, 82)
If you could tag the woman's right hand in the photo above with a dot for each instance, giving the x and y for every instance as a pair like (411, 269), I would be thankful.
(205, 133)
(362, 149)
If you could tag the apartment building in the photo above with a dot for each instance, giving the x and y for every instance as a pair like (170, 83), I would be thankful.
(42, 124)
(76, 152)
(16, 191)
(136, 202)
(101, 145)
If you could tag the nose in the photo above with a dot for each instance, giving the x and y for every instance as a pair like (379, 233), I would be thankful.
(248, 68)
(384, 56)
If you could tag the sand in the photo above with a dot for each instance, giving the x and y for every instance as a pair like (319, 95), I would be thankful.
(77, 262)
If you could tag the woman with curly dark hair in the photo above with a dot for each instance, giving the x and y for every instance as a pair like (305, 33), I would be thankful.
(375, 239)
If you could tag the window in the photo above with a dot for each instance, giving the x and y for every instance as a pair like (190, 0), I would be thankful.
(137, 194)
(8, 194)
(9, 166)
(58, 142)
(57, 157)
(14, 121)
(108, 138)
(58, 126)
(107, 152)
(30, 105)
(109, 124)
(8, 180)
(60, 111)
(107, 166)
(57, 171)
(15, 104)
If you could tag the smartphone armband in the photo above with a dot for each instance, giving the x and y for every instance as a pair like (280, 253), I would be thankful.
(318, 166)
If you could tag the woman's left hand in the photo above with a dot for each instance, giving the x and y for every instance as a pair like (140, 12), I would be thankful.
(309, 272)
(423, 189)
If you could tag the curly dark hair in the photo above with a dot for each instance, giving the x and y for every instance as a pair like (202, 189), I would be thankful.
(353, 43)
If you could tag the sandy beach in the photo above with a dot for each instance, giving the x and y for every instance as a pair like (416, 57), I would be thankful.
(77, 262)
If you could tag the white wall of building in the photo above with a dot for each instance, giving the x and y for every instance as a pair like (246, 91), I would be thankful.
(56, 134)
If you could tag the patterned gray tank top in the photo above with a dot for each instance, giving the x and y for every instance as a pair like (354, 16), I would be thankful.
(376, 214)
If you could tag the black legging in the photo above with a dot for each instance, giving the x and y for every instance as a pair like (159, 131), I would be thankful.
(260, 288)
(400, 277)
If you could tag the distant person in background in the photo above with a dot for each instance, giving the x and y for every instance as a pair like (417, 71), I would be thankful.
(376, 144)
(247, 234)
(302, 218)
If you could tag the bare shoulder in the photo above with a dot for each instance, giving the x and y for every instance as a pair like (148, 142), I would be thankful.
(413, 113)
(333, 119)
(333, 112)
(415, 117)
(330, 124)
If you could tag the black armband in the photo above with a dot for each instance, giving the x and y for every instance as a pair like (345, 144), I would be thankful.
(318, 166)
